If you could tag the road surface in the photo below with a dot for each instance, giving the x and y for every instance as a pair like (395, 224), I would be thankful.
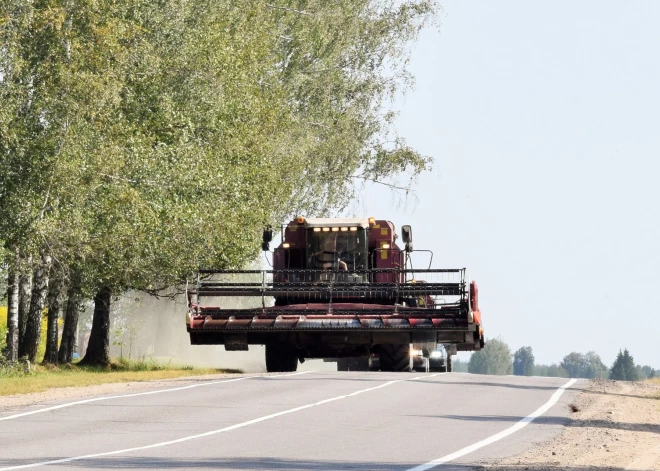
(305, 421)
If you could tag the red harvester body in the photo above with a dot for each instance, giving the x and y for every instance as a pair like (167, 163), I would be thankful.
(342, 288)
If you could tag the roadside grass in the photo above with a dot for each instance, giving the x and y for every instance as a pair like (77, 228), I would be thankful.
(655, 395)
(14, 379)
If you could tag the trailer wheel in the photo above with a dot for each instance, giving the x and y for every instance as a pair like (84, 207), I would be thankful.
(281, 358)
(395, 357)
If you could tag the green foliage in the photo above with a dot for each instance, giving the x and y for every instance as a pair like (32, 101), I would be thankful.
(647, 372)
(554, 370)
(460, 366)
(596, 369)
(494, 359)
(575, 364)
(623, 368)
(142, 140)
(523, 362)
(589, 365)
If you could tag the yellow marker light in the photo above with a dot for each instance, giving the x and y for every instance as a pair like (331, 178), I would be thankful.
(385, 246)
(344, 229)
(335, 229)
(300, 220)
(326, 229)
(353, 229)
(372, 221)
(286, 245)
(317, 229)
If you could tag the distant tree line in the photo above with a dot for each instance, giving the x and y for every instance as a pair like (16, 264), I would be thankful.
(496, 359)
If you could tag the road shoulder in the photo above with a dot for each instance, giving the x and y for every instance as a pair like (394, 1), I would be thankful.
(613, 425)
(15, 402)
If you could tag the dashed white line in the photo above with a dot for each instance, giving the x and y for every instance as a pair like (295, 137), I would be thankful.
(145, 393)
(498, 436)
(214, 432)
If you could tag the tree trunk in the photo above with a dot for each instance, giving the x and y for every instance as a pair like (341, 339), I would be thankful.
(98, 348)
(73, 307)
(37, 301)
(54, 307)
(24, 295)
(12, 315)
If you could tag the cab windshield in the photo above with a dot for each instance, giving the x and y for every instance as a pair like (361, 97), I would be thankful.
(336, 250)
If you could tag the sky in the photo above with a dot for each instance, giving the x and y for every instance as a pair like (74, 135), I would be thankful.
(543, 119)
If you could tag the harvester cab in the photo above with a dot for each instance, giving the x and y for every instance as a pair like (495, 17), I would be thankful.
(340, 288)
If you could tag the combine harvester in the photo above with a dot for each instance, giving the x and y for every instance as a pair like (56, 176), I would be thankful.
(341, 289)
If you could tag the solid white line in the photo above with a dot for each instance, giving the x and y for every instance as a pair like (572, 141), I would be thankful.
(498, 436)
(213, 432)
(146, 393)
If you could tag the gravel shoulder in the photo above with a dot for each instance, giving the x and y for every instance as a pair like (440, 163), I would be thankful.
(614, 426)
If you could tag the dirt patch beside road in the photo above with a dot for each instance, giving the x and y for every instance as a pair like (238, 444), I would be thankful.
(615, 426)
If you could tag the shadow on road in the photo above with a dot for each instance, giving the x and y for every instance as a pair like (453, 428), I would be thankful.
(228, 463)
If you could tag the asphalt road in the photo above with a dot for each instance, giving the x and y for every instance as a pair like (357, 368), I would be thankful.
(308, 421)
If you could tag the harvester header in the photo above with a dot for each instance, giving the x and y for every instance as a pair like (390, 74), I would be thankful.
(339, 288)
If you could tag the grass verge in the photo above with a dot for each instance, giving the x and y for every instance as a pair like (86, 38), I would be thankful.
(15, 380)
(656, 381)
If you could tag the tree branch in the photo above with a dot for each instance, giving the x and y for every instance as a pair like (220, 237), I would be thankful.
(389, 185)
(300, 12)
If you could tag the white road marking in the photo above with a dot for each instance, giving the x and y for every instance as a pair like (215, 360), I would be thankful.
(498, 436)
(214, 432)
(145, 393)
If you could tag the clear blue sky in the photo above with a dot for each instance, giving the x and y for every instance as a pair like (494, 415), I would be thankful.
(544, 122)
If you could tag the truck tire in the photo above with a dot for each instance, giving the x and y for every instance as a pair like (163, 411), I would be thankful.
(450, 364)
(395, 357)
(281, 358)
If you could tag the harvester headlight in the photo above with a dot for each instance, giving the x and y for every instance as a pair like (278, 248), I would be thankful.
(372, 221)
(286, 245)
(300, 220)
(344, 229)
(415, 353)
(326, 229)
(353, 229)
(317, 229)
(335, 229)
(385, 246)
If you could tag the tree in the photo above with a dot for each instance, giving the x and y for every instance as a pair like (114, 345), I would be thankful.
(595, 369)
(54, 302)
(12, 315)
(647, 371)
(575, 364)
(72, 312)
(523, 362)
(553, 370)
(623, 368)
(494, 359)
(137, 144)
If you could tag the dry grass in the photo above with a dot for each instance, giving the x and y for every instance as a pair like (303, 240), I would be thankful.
(656, 381)
(14, 379)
